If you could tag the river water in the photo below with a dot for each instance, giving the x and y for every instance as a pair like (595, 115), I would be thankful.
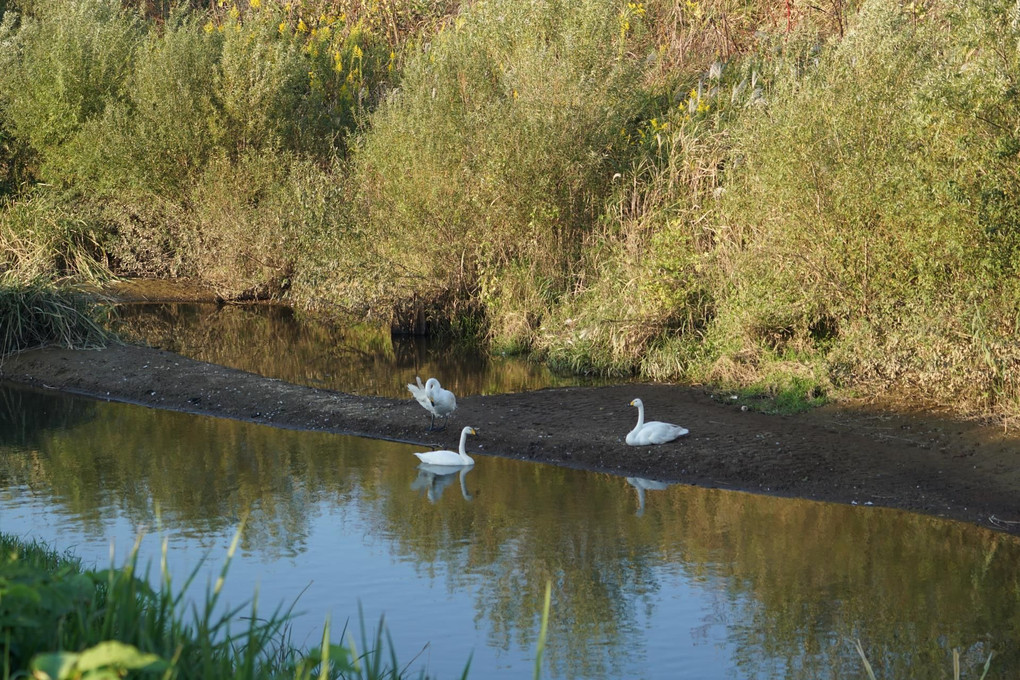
(648, 580)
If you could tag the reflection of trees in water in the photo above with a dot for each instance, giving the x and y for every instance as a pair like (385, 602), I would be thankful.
(25, 413)
(351, 357)
(527, 525)
(804, 580)
(201, 473)
(794, 582)
(26, 417)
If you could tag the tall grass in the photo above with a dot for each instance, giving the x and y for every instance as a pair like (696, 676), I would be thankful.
(35, 314)
(60, 621)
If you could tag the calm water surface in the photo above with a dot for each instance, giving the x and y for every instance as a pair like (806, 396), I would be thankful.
(649, 581)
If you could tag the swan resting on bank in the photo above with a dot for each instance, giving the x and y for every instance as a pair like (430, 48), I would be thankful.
(450, 457)
(434, 398)
(652, 432)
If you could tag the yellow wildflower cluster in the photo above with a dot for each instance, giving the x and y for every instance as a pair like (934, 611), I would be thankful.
(633, 11)
(696, 103)
(342, 53)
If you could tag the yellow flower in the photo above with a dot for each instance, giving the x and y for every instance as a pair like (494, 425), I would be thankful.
(283, 26)
(302, 27)
(209, 26)
(255, 4)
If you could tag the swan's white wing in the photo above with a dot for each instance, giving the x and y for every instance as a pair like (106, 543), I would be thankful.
(421, 396)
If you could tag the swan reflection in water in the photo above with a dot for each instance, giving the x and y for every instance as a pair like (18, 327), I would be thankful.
(642, 485)
(434, 479)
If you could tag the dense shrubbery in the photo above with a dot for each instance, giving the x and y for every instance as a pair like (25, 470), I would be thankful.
(799, 200)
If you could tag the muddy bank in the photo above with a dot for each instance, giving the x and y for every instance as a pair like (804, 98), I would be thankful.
(941, 467)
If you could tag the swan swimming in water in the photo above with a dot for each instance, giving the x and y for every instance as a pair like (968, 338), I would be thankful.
(434, 399)
(450, 457)
(652, 432)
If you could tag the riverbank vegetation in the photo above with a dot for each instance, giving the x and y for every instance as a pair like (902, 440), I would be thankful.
(792, 199)
(60, 620)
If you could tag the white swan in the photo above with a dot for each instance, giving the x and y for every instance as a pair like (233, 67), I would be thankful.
(434, 399)
(652, 432)
(450, 457)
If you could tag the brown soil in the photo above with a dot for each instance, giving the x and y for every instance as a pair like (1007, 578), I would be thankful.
(944, 467)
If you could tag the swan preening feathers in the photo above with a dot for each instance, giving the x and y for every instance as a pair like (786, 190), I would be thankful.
(652, 432)
(450, 458)
(434, 399)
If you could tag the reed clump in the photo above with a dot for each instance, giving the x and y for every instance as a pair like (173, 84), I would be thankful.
(36, 314)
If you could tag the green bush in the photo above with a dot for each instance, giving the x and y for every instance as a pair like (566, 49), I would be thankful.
(66, 62)
(855, 205)
(482, 175)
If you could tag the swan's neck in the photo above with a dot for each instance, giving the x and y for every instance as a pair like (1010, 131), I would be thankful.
(640, 416)
(463, 443)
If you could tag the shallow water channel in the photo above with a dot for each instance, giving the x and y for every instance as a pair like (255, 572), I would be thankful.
(648, 580)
